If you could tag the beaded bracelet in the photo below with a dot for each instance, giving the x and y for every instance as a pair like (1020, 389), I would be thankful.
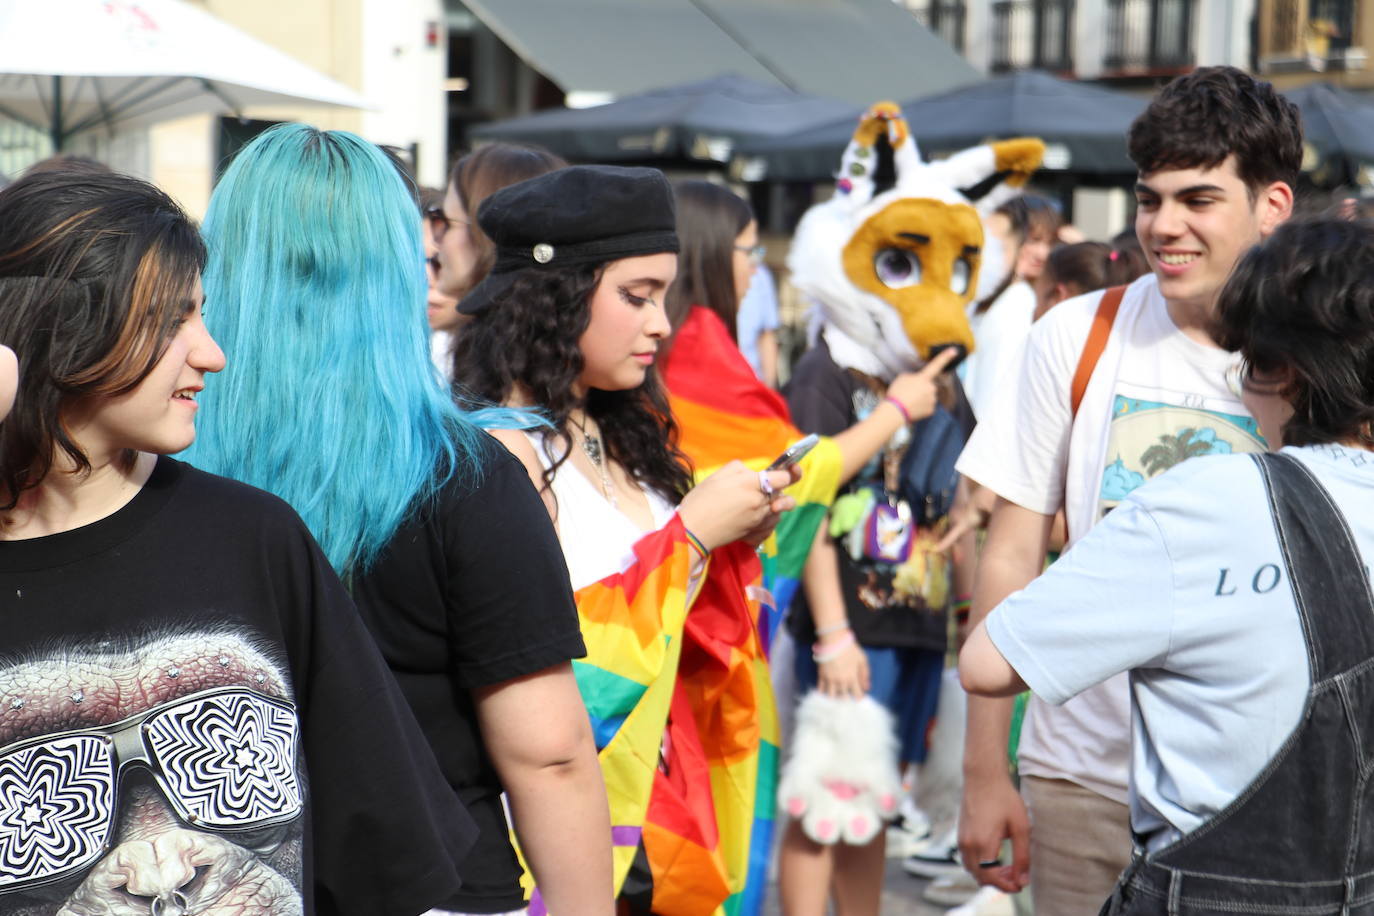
(901, 408)
(820, 655)
(697, 545)
(962, 604)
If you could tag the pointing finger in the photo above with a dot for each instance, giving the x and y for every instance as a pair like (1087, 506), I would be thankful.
(939, 362)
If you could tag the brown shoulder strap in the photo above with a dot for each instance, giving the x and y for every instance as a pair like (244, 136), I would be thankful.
(1096, 343)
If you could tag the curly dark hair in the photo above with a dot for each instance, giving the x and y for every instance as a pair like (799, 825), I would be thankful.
(1202, 117)
(1302, 303)
(528, 337)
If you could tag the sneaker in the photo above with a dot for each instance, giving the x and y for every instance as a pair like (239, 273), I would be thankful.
(989, 901)
(908, 834)
(951, 890)
(939, 857)
(902, 842)
(912, 818)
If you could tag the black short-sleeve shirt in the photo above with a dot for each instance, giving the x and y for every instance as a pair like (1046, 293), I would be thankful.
(188, 673)
(821, 397)
(473, 591)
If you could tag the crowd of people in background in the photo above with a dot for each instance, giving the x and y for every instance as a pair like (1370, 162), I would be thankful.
(469, 589)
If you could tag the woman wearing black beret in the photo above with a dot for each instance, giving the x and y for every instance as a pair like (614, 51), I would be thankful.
(569, 321)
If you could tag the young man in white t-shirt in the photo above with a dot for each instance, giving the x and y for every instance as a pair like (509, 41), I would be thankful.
(1218, 154)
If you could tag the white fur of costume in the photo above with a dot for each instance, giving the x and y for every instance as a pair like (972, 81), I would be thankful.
(841, 779)
(874, 322)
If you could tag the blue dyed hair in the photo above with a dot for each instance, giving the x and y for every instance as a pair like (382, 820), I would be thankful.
(315, 288)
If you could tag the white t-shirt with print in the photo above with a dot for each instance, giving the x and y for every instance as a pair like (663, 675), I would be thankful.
(1156, 397)
(1184, 586)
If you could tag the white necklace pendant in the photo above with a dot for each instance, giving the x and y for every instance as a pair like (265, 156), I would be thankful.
(591, 445)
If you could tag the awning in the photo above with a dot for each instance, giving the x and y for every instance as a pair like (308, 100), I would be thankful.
(860, 51)
(1083, 126)
(700, 121)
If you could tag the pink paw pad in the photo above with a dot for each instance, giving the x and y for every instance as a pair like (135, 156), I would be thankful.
(859, 826)
(842, 790)
(795, 806)
(887, 803)
(825, 829)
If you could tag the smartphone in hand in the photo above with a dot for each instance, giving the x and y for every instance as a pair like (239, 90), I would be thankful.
(795, 452)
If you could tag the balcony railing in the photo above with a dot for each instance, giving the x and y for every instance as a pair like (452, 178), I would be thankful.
(1032, 33)
(1149, 36)
(1310, 35)
(943, 17)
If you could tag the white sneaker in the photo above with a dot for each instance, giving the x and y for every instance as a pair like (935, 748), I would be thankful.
(951, 890)
(938, 856)
(902, 842)
(911, 817)
(989, 901)
(907, 836)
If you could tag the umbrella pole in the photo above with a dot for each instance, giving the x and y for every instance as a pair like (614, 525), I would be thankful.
(56, 132)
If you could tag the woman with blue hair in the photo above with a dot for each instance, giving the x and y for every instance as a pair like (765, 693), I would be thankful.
(331, 402)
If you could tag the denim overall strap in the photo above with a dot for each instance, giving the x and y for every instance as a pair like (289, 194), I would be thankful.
(1300, 838)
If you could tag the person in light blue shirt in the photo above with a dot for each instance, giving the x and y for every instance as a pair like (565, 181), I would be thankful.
(756, 323)
(1235, 592)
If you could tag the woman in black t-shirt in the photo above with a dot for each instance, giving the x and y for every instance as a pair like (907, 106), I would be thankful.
(316, 270)
(193, 717)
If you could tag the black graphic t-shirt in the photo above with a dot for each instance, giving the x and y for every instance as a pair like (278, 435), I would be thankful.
(890, 602)
(473, 591)
(193, 719)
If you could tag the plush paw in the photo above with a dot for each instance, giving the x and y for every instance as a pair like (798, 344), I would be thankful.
(824, 820)
(840, 780)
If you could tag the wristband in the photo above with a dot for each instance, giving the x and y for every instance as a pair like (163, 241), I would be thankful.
(901, 408)
(697, 545)
(833, 628)
(962, 605)
(831, 652)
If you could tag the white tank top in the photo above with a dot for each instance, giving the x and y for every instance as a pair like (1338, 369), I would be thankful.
(598, 539)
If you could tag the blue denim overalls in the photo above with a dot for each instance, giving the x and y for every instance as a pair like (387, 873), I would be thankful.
(1300, 838)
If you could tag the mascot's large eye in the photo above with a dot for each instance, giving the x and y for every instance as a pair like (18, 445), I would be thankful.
(897, 267)
(959, 277)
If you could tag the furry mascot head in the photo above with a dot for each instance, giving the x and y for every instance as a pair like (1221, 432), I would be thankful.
(893, 270)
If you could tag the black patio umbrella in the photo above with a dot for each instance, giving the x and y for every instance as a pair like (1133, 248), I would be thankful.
(1084, 127)
(1337, 122)
(702, 120)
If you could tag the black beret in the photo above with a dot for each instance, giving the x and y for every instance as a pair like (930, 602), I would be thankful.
(583, 214)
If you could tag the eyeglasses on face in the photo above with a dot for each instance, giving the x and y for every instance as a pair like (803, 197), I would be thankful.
(224, 759)
(440, 222)
(755, 253)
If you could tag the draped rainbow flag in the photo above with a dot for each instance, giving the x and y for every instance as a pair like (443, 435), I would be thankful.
(656, 753)
(632, 623)
(724, 412)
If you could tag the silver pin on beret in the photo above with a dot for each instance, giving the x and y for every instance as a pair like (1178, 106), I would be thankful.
(543, 252)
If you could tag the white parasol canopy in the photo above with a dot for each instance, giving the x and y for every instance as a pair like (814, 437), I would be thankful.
(68, 66)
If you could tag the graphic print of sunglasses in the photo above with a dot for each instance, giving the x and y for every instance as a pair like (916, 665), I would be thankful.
(224, 759)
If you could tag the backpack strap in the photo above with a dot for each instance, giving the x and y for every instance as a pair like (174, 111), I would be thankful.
(1097, 342)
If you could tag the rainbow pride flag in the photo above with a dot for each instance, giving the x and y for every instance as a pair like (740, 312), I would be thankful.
(632, 625)
(651, 743)
(724, 412)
